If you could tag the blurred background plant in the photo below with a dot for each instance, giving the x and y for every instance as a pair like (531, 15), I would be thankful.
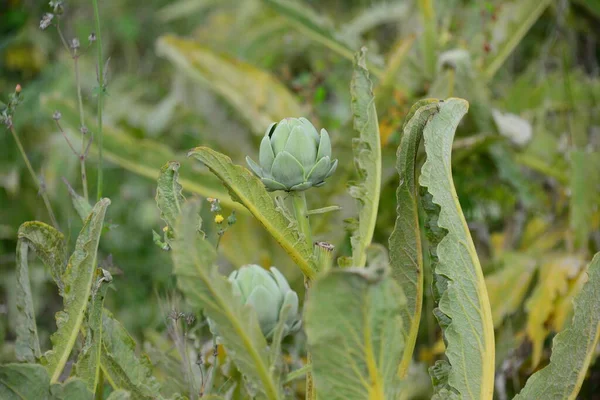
(189, 72)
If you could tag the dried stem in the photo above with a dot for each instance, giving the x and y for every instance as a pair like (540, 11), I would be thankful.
(41, 189)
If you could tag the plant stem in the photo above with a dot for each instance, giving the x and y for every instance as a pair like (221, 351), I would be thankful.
(82, 126)
(100, 96)
(301, 214)
(41, 190)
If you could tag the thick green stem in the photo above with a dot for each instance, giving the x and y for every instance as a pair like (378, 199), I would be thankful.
(41, 190)
(301, 214)
(100, 61)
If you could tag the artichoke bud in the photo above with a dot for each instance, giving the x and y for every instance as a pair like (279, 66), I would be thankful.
(293, 156)
(267, 291)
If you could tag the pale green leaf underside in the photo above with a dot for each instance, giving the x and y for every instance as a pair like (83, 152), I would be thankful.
(121, 365)
(573, 349)
(78, 279)
(168, 193)
(140, 156)
(406, 259)
(119, 395)
(199, 279)
(353, 323)
(470, 335)
(255, 94)
(367, 158)
(248, 190)
(88, 362)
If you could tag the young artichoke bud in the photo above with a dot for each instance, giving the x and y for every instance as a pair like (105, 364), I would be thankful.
(267, 292)
(293, 156)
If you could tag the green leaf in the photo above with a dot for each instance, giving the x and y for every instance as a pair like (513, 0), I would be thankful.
(48, 243)
(255, 94)
(121, 366)
(88, 363)
(119, 395)
(72, 388)
(573, 349)
(522, 19)
(585, 181)
(168, 193)
(198, 278)
(140, 156)
(23, 382)
(78, 280)
(406, 258)
(367, 158)
(430, 36)
(359, 358)
(464, 309)
(248, 190)
(81, 205)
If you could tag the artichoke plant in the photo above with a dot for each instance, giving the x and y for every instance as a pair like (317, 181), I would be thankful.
(293, 156)
(267, 291)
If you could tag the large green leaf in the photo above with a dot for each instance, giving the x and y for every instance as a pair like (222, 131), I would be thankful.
(199, 279)
(121, 366)
(353, 322)
(367, 158)
(48, 243)
(255, 94)
(463, 309)
(88, 363)
(140, 156)
(23, 382)
(78, 280)
(31, 382)
(406, 258)
(248, 190)
(573, 349)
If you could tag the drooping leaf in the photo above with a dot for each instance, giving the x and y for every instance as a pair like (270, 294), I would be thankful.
(198, 278)
(248, 190)
(463, 310)
(523, 15)
(573, 349)
(169, 198)
(367, 159)
(49, 245)
(24, 382)
(88, 363)
(359, 358)
(121, 366)
(406, 259)
(508, 287)
(552, 283)
(255, 94)
(78, 280)
(140, 156)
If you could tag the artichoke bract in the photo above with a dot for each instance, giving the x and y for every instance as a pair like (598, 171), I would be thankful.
(267, 291)
(293, 156)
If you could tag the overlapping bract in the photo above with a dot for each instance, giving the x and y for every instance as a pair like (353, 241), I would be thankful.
(294, 156)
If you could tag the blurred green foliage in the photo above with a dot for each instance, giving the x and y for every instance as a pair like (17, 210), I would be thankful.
(526, 162)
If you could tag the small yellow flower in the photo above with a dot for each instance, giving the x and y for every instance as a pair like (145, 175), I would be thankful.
(166, 228)
(219, 218)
